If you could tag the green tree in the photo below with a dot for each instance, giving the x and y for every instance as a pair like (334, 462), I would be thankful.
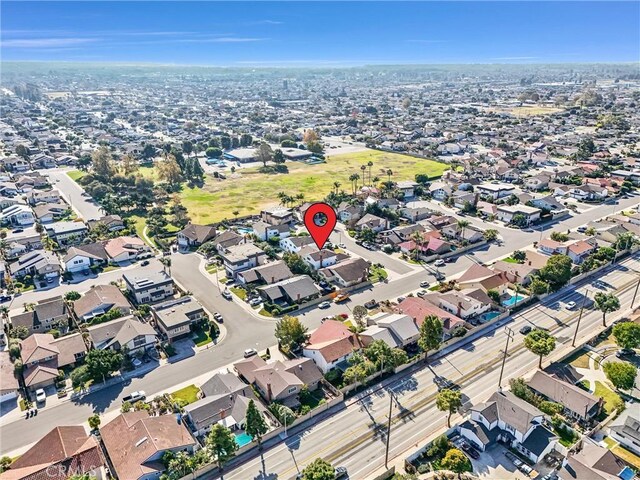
(627, 334)
(102, 163)
(213, 152)
(94, 421)
(456, 461)
(5, 461)
(359, 312)
(621, 374)
(278, 156)
(540, 343)
(557, 271)
(519, 256)
(319, 469)
(430, 334)
(19, 331)
(102, 363)
(462, 225)
(72, 296)
(296, 264)
(539, 286)
(79, 376)
(559, 236)
(490, 234)
(606, 303)
(222, 444)
(264, 153)
(169, 171)
(494, 295)
(256, 426)
(290, 332)
(448, 401)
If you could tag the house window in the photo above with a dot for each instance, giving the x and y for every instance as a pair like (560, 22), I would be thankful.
(292, 390)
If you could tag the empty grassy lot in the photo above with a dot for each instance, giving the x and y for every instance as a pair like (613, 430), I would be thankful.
(248, 191)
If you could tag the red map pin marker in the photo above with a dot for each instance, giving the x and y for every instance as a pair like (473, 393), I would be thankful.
(320, 219)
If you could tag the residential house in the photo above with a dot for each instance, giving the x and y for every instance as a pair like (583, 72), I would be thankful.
(537, 182)
(407, 188)
(64, 452)
(242, 257)
(15, 164)
(348, 273)
(47, 314)
(398, 235)
(375, 332)
(50, 212)
(418, 309)
(627, 433)
(417, 210)
(17, 216)
(268, 273)
(277, 216)
(227, 239)
(149, 286)
(507, 418)
(330, 344)
(175, 317)
(463, 200)
(37, 263)
(83, 257)
(113, 223)
(520, 273)
(194, 235)
(348, 213)
(495, 191)
(8, 381)
(42, 356)
(126, 333)
(29, 238)
(593, 462)
(550, 204)
(136, 442)
(294, 290)
(225, 402)
(295, 244)
(577, 403)
(403, 329)
(265, 231)
(43, 196)
(466, 303)
(507, 213)
(592, 193)
(372, 222)
(99, 300)
(67, 233)
(317, 259)
(126, 249)
(479, 276)
(626, 175)
(280, 381)
(440, 190)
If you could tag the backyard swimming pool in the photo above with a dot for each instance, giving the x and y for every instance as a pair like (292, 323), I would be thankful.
(242, 439)
(485, 317)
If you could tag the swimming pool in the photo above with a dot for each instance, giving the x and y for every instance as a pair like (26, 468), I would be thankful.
(485, 317)
(510, 302)
(242, 439)
(244, 230)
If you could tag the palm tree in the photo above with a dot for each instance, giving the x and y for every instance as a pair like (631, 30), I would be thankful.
(376, 179)
(166, 263)
(354, 182)
(282, 196)
(369, 164)
(236, 213)
(300, 198)
(389, 173)
(462, 224)
(363, 168)
(418, 239)
(606, 303)
(336, 185)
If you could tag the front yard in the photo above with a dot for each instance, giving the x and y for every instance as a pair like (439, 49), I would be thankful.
(377, 274)
(186, 395)
(612, 400)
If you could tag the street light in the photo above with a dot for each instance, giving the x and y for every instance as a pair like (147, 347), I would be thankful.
(510, 336)
(584, 300)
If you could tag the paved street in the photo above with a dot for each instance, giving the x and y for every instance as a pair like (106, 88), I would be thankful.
(85, 207)
(244, 331)
(355, 437)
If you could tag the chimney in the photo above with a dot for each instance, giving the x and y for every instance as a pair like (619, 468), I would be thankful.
(223, 413)
(459, 309)
(269, 392)
(273, 279)
(529, 262)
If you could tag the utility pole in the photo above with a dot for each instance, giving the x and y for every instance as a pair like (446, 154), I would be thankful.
(386, 455)
(575, 334)
(510, 336)
(634, 295)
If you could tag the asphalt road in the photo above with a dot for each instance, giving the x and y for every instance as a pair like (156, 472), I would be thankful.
(355, 436)
(245, 330)
(86, 207)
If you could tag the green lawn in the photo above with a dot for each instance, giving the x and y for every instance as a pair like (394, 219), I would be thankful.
(567, 438)
(612, 400)
(240, 292)
(110, 268)
(377, 274)
(265, 313)
(248, 190)
(579, 359)
(201, 337)
(627, 456)
(212, 268)
(510, 260)
(188, 394)
(75, 175)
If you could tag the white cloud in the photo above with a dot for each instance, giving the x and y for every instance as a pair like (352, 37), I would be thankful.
(44, 42)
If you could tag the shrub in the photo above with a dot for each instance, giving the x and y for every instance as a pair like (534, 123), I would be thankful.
(423, 468)
(550, 408)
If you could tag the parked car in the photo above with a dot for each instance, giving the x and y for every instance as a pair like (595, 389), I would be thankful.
(144, 263)
(5, 298)
(439, 263)
(526, 329)
(217, 317)
(135, 397)
(41, 396)
(250, 352)
(254, 302)
(625, 352)
(469, 450)
(582, 229)
(571, 305)
(400, 299)
(324, 305)
(226, 294)
(422, 293)
(371, 304)
(424, 284)
(341, 297)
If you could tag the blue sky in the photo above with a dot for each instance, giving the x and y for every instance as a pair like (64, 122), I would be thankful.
(321, 33)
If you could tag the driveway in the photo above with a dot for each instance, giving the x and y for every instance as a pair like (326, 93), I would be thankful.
(494, 464)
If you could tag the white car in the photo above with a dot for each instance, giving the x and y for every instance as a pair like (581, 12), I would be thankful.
(324, 305)
(41, 396)
(439, 263)
(226, 294)
(250, 352)
(571, 305)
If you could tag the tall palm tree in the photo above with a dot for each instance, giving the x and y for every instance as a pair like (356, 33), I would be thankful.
(281, 196)
(389, 173)
(354, 182)
(336, 185)
(462, 224)
(418, 239)
(369, 164)
(300, 198)
(363, 168)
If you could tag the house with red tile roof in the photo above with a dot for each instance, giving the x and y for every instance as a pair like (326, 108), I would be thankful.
(63, 452)
(479, 276)
(418, 308)
(331, 344)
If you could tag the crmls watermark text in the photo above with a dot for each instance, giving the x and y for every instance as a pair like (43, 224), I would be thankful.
(63, 471)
